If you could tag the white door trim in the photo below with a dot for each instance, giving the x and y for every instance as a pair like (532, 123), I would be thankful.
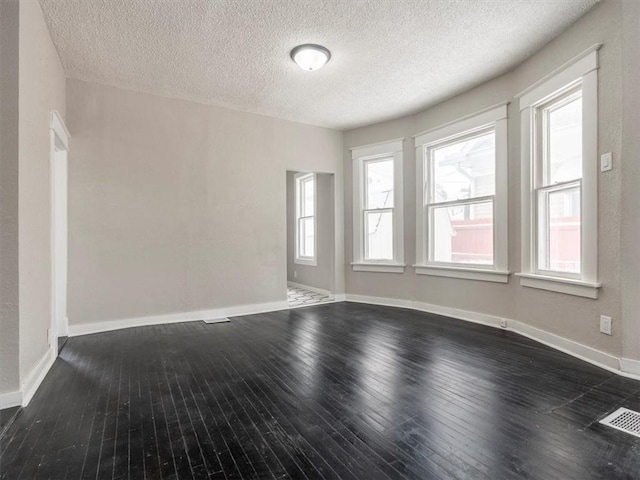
(59, 147)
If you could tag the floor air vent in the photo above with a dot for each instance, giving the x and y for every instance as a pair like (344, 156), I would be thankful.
(624, 420)
(216, 320)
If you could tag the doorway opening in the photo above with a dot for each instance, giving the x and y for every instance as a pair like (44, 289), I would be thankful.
(59, 164)
(310, 238)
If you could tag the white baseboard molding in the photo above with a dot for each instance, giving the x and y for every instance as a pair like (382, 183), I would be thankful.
(10, 399)
(340, 297)
(22, 397)
(625, 367)
(308, 287)
(107, 326)
(35, 378)
(575, 349)
(490, 320)
(630, 366)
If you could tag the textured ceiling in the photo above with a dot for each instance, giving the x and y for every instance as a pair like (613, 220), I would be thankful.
(390, 57)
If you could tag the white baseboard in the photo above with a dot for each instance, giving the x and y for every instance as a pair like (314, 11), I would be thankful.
(490, 320)
(89, 328)
(625, 367)
(385, 302)
(630, 366)
(10, 399)
(575, 349)
(474, 317)
(340, 297)
(31, 384)
(308, 287)
(35, 378)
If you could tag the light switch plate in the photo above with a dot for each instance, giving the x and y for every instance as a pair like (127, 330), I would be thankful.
(605, 325)
(606, 162)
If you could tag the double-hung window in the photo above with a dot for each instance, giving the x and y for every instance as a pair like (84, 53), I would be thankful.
(462, 198)
(559, 171)
(377, 187)
(305, 192)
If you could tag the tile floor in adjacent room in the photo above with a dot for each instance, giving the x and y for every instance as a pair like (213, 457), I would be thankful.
(298, 296)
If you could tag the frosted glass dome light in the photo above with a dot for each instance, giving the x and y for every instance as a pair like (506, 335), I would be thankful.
(310, 57)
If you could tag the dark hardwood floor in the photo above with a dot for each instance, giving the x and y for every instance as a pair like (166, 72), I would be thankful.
(338, 391)
(7, 415)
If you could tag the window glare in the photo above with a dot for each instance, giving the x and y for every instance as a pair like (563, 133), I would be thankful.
(464, 169)
(379, 235)
(379, 184)
(564, 131)
(306, 239)
(308, 196)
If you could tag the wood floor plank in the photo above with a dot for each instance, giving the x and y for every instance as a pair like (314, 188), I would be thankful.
(336, 391)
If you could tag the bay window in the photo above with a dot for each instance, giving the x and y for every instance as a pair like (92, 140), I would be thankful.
(462, 198)
(559, 180)
(377, 199)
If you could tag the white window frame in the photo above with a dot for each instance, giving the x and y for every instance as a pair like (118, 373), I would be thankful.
(299, 179)
(360, 156)
(493, 118)
(580, 72)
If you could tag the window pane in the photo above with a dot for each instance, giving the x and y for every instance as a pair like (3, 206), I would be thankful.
(306, 238)
(564, 143)
(465, 169)
(308, 197)
(559, 242)
(379, 186)
(379, 235)
(463, 233)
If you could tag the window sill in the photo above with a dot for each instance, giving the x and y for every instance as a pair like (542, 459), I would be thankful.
(303, 261)
(560, 285)
(482, 274)
(378, 267)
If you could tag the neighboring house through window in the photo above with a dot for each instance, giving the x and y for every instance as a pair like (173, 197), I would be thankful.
(461, 221)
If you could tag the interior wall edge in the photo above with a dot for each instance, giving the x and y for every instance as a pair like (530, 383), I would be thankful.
(10, 399)
(34, 378)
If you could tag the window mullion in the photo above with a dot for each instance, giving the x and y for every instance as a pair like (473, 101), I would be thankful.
(464, 201)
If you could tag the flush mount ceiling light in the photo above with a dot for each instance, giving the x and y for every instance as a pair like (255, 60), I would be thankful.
(310, 57)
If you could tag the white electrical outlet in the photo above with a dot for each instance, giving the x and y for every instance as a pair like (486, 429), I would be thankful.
(606, 162)
(503, 323)
(605, 325)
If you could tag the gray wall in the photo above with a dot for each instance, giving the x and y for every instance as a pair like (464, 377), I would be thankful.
(177, 207)
(42, 89)
(572, 317)
(319, 276)
(9, 273)
(630, 163)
